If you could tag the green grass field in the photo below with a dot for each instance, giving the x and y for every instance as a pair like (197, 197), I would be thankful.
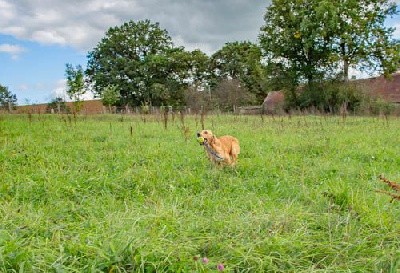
(123, 194)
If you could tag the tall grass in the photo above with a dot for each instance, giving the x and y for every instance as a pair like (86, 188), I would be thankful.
(105, 194)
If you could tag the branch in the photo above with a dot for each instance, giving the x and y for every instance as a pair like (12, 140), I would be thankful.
(394, 196)
(392, 184)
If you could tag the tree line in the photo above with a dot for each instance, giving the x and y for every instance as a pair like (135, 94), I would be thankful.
(306, 49)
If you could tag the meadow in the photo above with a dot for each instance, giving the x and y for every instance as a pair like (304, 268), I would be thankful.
(114, 193)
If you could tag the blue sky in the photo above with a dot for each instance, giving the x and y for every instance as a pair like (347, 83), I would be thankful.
(38, 37)
(36, 72)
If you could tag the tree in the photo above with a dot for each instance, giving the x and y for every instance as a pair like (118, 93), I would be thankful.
(293, 37)
(173, 71)
(75, 84)
(198, 100)
(110, 96)
(230, 94)
(198, 73)
(360, 36)
(240, 61)
(140, 59)
(321, 39)
(132, 56)
(8, 101)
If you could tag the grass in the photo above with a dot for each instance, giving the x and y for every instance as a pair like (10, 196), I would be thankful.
(124, 194)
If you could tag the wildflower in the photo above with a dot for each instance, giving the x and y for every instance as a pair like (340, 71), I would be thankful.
(220, 267)
(205, 260)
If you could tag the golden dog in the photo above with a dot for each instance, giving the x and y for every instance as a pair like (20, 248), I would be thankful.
(220, 150)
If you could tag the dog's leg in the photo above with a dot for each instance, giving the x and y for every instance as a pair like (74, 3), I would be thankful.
(228, 160)
(234, 152)
(234, 159)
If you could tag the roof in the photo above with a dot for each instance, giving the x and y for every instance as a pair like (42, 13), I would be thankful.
(88, 107)
(387, 88)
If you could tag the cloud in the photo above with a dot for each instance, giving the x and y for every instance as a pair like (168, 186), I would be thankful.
(13, 50)
(59, 90)
(206, 24)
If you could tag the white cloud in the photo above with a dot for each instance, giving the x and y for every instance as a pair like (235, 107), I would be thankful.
(6, 11)
(48, 37)
(60, 91)
(13, 50)
(207, 24)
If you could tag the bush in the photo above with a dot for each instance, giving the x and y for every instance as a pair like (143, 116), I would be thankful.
(375, 106)
(337, 97)
(230, 94)
(331, 97)
(198, 100)
(58, 105)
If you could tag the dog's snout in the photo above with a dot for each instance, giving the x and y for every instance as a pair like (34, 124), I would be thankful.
(198, 134)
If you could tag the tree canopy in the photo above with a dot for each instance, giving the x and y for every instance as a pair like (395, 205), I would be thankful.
(301, 42)
(240, 61)
(75, 81)
(139, 58)
(321, 39)
(8, 100)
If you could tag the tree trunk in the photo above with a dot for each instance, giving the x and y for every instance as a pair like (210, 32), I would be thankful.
(345, 61)
(345, 69)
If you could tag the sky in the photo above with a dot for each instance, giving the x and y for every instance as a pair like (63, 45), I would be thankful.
(38, 37)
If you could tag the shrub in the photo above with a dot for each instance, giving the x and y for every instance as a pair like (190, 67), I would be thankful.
(331, 97)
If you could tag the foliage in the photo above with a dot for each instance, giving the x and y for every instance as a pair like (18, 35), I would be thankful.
(359, 35)
(301, 42)
(337, 97)
(230, 94)
(110, 96)
(240, 61)
(58, 105)
(105, 195)
(292, 37)
(122, 56)
(8, 101)
(197, 100)
(317, 38)
(331, 97)
(372, 105)
(139, 57)
(75, 85)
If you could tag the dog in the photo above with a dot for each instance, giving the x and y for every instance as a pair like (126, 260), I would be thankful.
(220, 150)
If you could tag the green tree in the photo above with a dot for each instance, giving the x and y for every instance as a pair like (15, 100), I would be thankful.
(198, 73)
(140, 59)
(110, 96)
(8, 101)
(322, 39)
(75, 84)
(132, 56)
(360, 37)
(181, 69)
(240, 61)
(293, 37)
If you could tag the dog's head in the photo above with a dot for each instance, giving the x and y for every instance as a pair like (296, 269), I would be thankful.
(205, 136)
